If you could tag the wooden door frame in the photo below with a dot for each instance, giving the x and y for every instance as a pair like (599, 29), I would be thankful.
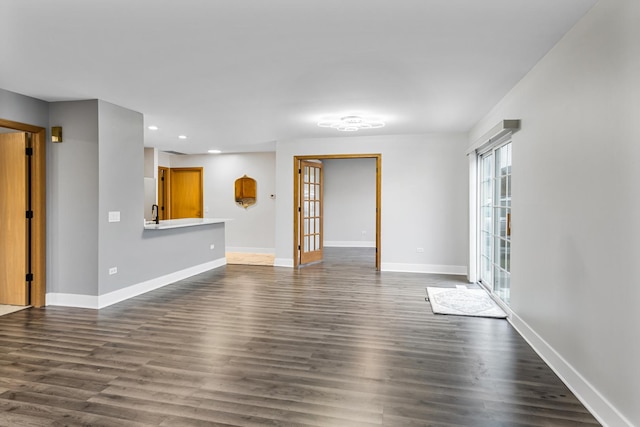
(38, 206)
(296, 198)
(163, 190)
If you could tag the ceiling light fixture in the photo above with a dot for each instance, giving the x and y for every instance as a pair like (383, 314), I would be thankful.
(182, 137)
(153, 128)
(351, 123)
(215, 151)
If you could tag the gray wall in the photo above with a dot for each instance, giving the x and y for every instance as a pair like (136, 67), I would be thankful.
(252, 229)
(138, 254)
(349, 202)
(72, 200)
(121, 188)
(424, 197)
(576, 204)
(98, 168)
(24, 109)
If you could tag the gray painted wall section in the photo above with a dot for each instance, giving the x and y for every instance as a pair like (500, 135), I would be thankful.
(252, 229)
(349, 201)
(72, 195)
(99, 167)
(424, 196)
(139, 255)
(576, 204)
(24, 109)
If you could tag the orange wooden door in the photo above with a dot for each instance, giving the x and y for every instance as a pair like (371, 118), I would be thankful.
(13, 221)
(311, 238)
(186, 194)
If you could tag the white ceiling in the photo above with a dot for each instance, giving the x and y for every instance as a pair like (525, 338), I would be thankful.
(238, 75)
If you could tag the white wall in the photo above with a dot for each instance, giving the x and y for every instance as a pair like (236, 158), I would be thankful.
(349, 202)
(576, 204)
(251, 229)
(424, 196)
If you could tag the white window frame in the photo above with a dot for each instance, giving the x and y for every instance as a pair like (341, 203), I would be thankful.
(498, 135)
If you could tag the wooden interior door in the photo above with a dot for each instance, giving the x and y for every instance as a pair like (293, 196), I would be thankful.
(14, 202)
(186, 193)
(163, 193)
(311, 237)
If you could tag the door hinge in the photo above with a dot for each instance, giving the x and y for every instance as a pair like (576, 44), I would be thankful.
(29, 214)
(29, 277)
(29, 151)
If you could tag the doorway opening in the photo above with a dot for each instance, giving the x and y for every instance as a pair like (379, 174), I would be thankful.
(22, 209)
(308, 206)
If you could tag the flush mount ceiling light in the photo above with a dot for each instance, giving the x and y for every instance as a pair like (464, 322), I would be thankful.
(214, 151)
(351, 123)
(182, 137)
(153, 127)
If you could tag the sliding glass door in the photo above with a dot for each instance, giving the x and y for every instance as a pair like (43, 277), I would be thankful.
(495, 220)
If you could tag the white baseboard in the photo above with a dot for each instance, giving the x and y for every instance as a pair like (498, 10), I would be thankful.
(250, 250)
(72, 300)
(283, 262)
(595, 402)
(424, 268)
(349, 244)
(102, 301)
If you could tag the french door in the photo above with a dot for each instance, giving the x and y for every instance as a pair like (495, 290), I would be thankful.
(495, 220)
(311, 237)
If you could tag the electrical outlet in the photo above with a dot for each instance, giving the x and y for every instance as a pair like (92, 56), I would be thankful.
(113, 270)
(420, 250)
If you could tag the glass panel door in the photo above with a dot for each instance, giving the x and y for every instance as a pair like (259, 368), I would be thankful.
(495, 221)
(311, 212)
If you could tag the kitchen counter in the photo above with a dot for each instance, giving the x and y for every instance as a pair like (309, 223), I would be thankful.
(182, 222)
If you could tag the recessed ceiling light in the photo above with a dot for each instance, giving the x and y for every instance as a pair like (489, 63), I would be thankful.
(182, 136)
(153, 128)
(215, 151)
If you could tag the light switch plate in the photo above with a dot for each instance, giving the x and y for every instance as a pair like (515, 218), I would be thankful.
(114, 216)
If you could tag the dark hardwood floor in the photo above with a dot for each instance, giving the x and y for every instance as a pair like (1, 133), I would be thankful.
(331, 344)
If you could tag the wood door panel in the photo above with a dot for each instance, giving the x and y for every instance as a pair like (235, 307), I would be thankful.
(311, 237)
(13, 222)
(186, 197)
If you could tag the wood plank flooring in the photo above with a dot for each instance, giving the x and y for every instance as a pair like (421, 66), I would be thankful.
(331, 344)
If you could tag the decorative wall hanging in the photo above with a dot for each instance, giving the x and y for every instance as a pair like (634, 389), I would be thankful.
(245, 191)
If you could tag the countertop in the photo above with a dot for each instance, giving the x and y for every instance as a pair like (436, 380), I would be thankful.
(182, 222)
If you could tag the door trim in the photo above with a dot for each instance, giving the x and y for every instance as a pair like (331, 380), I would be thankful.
(296, 198)
(164, 185)
(38, 206)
